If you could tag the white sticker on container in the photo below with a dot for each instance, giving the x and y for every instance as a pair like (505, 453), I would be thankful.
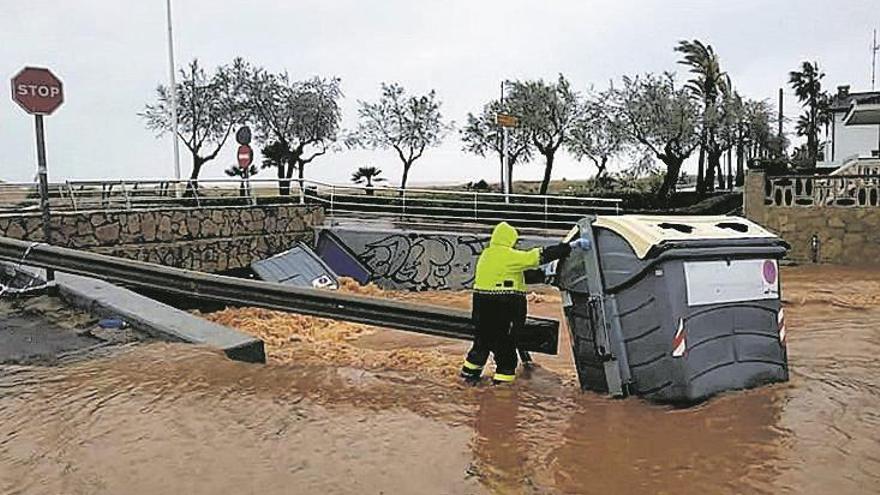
(718, 282)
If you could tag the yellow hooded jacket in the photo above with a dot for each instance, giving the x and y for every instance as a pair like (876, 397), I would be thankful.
(500, 267)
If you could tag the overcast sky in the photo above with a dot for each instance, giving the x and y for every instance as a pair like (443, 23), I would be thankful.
(112, 54)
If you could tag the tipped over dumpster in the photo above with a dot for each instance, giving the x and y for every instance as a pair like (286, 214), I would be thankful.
(675, 309)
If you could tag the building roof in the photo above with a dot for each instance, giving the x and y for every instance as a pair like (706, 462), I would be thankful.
(864, 113)
(842, 102)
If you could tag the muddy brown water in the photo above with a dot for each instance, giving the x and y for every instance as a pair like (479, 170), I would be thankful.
(170, 418)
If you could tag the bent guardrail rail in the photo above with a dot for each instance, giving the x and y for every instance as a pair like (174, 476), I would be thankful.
(538, 335)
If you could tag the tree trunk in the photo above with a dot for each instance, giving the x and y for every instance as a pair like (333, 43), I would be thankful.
(301, 174)
(603, 167)
(405, 177)
(548, 170)
(713, 164)
(510, 176)
(288, 174)
(193, 183)
(740, 172)
(720, 172)
(730, 169)
(812, 148)
(283, 185)
(701, 166)
(673, 169)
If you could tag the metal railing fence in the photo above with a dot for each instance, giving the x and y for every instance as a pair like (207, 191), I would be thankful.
(340, 201)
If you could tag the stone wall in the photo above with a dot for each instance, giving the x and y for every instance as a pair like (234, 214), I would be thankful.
(208, 239)
(420, 260)
(847, 229)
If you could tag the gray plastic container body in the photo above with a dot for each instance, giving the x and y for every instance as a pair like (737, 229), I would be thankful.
(298, 266)
(731, 345)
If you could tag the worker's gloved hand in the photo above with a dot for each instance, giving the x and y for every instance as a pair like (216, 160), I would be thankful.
(583, 244)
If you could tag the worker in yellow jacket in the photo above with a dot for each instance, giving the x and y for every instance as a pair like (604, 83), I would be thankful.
(499, 300)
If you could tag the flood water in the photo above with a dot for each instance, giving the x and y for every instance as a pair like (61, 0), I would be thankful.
(172, 418)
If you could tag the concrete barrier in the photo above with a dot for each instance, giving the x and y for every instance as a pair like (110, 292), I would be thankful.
(153, 317)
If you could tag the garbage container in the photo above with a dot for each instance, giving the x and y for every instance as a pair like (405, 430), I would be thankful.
(674, 309)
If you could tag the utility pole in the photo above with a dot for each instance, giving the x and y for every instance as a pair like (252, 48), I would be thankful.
(781, 138)
(174, 119)
(874, 49)
(503, 144)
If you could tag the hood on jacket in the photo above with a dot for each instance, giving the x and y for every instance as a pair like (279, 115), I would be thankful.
(504, 235)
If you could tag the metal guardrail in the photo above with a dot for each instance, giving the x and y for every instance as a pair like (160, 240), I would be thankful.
(415, 204)
(539, 334)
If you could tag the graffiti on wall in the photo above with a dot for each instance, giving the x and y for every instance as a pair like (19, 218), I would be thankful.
(423, 261)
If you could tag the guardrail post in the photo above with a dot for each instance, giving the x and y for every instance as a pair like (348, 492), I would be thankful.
(302, 192)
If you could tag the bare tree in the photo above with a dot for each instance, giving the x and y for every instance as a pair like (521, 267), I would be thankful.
(207, 112)
(407, 124)
(597, 134)
(548, 111)
(661, 117)
(482, 135)
(299, 119)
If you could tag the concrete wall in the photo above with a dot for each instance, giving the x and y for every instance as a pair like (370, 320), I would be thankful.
(421, 260)
(847, 228)
(207, 239)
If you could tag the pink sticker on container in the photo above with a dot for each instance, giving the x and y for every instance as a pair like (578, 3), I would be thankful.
(770, 272)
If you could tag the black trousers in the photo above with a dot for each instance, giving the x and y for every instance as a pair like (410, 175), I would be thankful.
(495, 316)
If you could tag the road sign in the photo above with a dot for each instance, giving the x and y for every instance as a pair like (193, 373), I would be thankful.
(243, 135)
(506, 120)
(37, 91)
(40, 93)
(245, 156)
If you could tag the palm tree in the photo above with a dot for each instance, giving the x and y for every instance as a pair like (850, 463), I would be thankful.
(709, 83)
(369, 175)
(807, 84)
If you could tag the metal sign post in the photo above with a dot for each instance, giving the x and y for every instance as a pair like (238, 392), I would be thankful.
(245, 157)
(506, 122)
(40, 93)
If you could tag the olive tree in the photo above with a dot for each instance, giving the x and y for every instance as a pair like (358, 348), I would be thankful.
(298, 120)
(548, 112)
(597, 134)
(482, 135)
(660, 117)
(408, 124)
(207, 111)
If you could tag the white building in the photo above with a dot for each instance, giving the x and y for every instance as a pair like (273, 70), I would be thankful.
(847, 141)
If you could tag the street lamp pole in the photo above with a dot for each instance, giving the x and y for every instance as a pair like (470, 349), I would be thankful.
(174, 120)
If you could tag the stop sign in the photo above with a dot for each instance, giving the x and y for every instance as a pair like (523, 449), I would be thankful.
(245, 156)
(37, 90)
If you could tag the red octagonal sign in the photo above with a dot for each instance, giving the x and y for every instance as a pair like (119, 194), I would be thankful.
(37, 90)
